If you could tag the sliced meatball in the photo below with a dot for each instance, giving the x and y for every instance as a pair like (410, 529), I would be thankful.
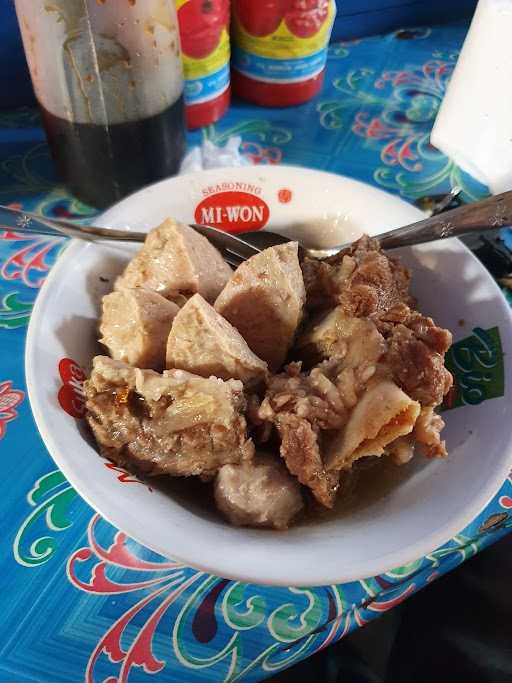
(135, 325)
(203, 342)
(258, 493)
(176, 261)
(264, 300)
(175, 423)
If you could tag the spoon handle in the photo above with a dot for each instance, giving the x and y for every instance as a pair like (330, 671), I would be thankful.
(23, 221)
(489, 214)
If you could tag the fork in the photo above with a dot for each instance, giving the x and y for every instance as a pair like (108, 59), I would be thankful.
(490, 214)
(234, 250)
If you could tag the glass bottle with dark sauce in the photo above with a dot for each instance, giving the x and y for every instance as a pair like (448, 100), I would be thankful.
(107, 75)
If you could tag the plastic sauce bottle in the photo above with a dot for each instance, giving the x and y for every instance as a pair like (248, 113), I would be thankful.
(204, 35)
(280, 49)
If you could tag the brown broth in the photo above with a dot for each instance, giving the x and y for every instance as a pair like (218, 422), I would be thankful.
(369, 481)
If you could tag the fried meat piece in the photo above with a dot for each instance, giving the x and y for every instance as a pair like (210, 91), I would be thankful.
(427, 433)
(301, 406)
(415, 355)
(300, 450)
(363, 280)
(175, 423)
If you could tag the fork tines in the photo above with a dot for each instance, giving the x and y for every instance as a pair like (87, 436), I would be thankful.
(233, 249)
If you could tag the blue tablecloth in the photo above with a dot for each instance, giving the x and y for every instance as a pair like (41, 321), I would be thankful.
(79, 599)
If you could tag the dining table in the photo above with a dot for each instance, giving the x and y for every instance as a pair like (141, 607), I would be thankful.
(81, 601)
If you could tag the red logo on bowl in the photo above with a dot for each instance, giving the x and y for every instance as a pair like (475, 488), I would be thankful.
(123, 475)
(284, 195)
(71, 394)
(233, 211)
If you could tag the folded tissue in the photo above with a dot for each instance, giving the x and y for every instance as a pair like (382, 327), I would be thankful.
(209, 155)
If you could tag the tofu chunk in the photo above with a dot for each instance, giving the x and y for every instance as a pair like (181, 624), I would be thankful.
(174, 424)
(258, 493)
(176, 261)
(264, 300)
(135, 325)
(202, 342)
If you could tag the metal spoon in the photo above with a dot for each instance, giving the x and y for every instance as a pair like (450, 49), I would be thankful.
(233, 249)
(489, 214)
(485, 216)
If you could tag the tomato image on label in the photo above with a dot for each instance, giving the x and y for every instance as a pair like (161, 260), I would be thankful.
(233, 211)
(201, 23)
(280, 49)
(71, 394)
(262, 18)
(305, 17)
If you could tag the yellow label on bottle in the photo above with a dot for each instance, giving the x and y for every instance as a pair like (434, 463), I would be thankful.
(206, 75)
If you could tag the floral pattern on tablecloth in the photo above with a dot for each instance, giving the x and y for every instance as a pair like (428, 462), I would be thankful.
(81, 600)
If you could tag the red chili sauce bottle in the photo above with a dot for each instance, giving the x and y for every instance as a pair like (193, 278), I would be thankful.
(280, 49)
(204, 36)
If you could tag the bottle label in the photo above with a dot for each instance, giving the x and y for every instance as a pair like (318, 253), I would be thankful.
(283, 40)
(205, 48)
(289, 70)
(206, 88)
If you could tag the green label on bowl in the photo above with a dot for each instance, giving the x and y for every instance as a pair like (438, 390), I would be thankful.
(476, 364)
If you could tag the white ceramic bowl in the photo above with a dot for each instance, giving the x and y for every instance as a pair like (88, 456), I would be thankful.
(432, 502)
